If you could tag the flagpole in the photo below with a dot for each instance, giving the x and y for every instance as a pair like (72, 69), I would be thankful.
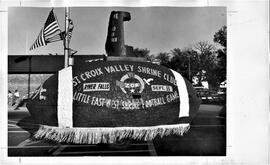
(26, 44)
(30, 65)
(66, 40)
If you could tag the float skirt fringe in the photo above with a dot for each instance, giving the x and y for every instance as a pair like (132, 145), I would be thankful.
(95, 135)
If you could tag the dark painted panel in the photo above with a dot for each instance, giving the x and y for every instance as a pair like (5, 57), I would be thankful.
(21, 64)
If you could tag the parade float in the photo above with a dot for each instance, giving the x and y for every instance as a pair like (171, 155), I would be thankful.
(113, 98)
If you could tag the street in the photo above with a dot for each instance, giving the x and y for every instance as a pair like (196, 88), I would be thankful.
(207, 136)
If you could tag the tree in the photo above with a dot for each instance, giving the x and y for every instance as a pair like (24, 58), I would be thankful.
(184, 62)
(138, 52)
(164, 58)
(198, 60)
(221, 38)
(205, 54)
(206, 57)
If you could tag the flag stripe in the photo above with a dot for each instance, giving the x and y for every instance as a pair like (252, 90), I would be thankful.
(46, 35)
(57, 37)
(40, 41)
(42, 38)
(54, 24)
(54, 39)
(53, 28)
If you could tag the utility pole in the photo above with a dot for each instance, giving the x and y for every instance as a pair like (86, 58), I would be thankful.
(30, 65)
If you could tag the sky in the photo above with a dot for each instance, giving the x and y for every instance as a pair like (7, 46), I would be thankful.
(159, 29)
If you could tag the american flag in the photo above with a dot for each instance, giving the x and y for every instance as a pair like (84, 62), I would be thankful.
(61, 36)
(50, 28)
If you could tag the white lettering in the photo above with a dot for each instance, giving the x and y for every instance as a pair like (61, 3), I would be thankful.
(161, 88)
(87, 87)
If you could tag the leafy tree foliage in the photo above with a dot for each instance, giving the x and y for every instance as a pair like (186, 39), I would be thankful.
(138, 52)
(184, 62)
(221, 38)
(164, 59)
(201, 60)
(206, 62)
(197, 61)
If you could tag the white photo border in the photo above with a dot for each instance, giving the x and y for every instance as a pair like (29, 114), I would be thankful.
(247, 72)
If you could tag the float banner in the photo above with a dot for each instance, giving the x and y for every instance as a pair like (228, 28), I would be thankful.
(106, 100)
(126, 93)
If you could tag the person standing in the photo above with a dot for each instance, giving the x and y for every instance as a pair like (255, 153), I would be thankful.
(16, 96)
(10, 95)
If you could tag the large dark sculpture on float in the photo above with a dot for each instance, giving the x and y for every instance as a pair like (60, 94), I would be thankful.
(115, 44)
(103, 101)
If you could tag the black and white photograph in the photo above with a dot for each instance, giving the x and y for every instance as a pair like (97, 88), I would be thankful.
(147, 81)
(123, 82)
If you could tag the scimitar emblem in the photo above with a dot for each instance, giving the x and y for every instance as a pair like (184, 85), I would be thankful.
(148, 81)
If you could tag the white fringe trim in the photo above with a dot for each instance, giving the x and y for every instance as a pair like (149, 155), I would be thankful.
(81, 135)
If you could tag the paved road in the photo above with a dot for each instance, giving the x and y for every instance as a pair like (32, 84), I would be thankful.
(206, 137)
